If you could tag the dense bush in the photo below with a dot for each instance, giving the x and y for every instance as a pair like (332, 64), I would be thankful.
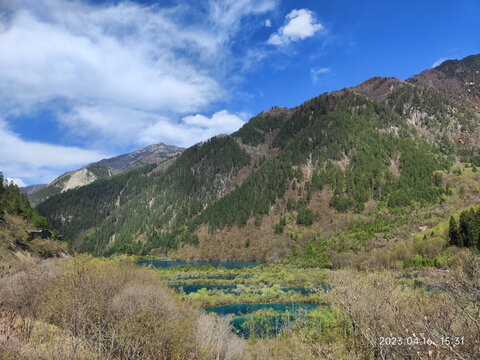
(108, 310)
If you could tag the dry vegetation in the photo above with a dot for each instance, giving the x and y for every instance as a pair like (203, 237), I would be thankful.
(378, 308)
(18, 251)
(85, 308)
(93, 309)
(375, 317)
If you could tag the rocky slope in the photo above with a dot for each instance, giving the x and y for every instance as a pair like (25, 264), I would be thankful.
(152, 154)
(32, 189)
(457, 80)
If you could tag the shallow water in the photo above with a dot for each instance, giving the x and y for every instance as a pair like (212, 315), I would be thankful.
(166, 263)
(247, 322)
(236, 289)
(210, 277)
(189, 288)
(242, 309)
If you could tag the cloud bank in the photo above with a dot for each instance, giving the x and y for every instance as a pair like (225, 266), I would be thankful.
(125, 74)
(35, 160)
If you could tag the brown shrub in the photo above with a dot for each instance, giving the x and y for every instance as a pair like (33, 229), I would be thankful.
(216, 340)
(90, 308)
(380, 308)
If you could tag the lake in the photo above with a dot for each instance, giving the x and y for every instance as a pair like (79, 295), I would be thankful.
(263, 320)
(166, 263)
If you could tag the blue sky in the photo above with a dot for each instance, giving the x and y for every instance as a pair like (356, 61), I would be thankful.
(85, 80)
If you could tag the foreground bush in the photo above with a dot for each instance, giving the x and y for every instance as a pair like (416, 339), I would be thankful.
(94, 309)
(394, 321)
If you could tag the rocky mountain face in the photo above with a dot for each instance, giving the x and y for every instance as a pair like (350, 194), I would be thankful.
(32, 189)
(152, 154)
(289, 175)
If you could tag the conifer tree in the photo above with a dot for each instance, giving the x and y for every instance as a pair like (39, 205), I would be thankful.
(453, 232)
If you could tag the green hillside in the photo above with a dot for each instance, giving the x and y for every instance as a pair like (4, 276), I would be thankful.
(385, 144)
(24, 235)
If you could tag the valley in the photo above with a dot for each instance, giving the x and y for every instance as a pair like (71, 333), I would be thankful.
(325, 231)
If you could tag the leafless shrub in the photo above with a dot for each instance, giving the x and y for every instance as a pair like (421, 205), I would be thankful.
(457, 316)
(282, 348)
(21, 291)
(216, 340)
(421, 324)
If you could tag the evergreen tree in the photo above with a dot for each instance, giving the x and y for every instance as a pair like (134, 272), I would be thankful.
(465, 229)
(453, 235)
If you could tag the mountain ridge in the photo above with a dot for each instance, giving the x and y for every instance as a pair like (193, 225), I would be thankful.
(152, 154)
(385, 142)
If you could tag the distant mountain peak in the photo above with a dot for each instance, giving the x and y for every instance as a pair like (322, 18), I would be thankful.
(152, 154)
(379, 88)
(457, 80)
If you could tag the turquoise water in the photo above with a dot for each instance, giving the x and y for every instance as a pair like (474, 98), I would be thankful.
(242, 309)
(210, 277)
(189, 288)
(247, 321)
(166, 264)
(231, 288)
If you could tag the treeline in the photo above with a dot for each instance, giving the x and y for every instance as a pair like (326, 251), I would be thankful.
(145, 203)
(75, 210)
(254, 131)
(359, 149)
(12, 201)
(465, 232)
(325, 139)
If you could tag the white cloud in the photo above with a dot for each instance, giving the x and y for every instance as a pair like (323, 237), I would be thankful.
(125, 74)
(222, 121)
(40, 161)
(300, 24)
(81, 61)
(268, 23)
(193, 129)
(143, 57)
(439, 61)
(110, 125)
(316, 72)
(113, 126)
(16, 181)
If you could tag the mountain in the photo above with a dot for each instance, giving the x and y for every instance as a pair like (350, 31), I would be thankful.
(32, 189)
(457, 80)
(344, 174)
(152, 154)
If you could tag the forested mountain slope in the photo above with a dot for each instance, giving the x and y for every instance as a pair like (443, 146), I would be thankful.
(288, 178)
(141, 201)
(152, 154)
(458, 81)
